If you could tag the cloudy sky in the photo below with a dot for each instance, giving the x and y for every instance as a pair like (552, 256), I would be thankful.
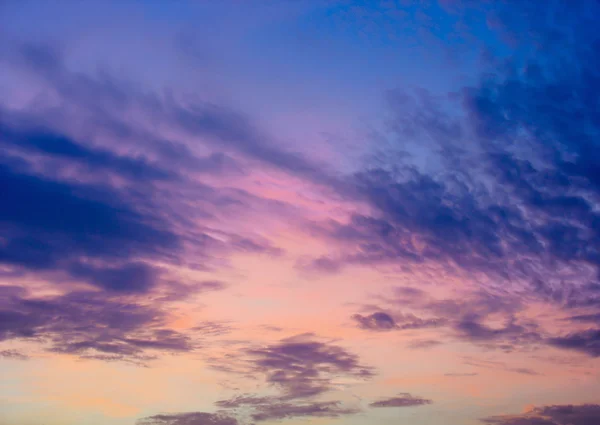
(299, 211)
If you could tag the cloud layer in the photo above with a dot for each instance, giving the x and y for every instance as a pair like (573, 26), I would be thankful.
(230, 206)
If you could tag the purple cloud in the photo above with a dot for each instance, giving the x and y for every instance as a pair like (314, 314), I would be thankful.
(191, 418)
(13, 354)
(381, 321)
(89, 324)
(423, 344)
(584, 414)
(487, 364)
(269, 408)
(511, 186)
(22, 136)
(587, 342)
(402, 400)
(303, 367)
(325, 409)
(465, 318)
(375, 321)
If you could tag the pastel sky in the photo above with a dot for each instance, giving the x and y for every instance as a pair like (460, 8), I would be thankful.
(346, 212)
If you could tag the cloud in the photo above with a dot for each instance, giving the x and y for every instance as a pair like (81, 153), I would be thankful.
(300, 369)
(587, 342)
(13, 354)
(213, 328)
(584, 414)
(471, 329)
(375, 321)
(259, 409)
(509, 190)
(592, 318)
(326, 409)
(31, 138)
(96, 198)
(137, 277)
(218, 126)
(381, 321)
(269, 408)
(423, 344)
(303, 367)
(490, 320)
(402, 400)
(51, 225)
(89, 324)
(191, 418)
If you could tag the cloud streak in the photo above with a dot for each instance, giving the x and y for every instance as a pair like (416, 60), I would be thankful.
(402, 400)
(585, 414)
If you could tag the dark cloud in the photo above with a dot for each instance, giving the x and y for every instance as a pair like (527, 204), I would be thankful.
(27, 137)
(219, 126)
(470, 328)
(468, 319)
(110, 188)
(490, 320)
(191, 418)
(299, 368)
(325, 409)
(89, 324)
(92, 196)
(95, 220)
(269, 408)
(584, 414)
(50, 225)
(587, 342)
(586, 318)
(381, 321)
(137, 277)
(303, 367)
(375, 321)
(258, 409)
(102, 102)
(510, 187)
(402, 400)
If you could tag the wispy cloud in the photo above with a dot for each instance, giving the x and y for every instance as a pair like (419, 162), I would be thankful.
(402, 400)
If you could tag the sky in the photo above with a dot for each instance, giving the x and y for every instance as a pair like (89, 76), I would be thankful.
(299, 211)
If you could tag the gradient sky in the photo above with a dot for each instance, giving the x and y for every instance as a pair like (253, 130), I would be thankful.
(299, 211)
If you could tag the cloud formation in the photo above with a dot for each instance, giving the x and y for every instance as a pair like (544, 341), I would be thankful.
(381, 321)
(191, 418)
(402, 400)
(584, 414)
(302, 366)
(510, 190)
(587, 342)
(89, 324)
(471, 207)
